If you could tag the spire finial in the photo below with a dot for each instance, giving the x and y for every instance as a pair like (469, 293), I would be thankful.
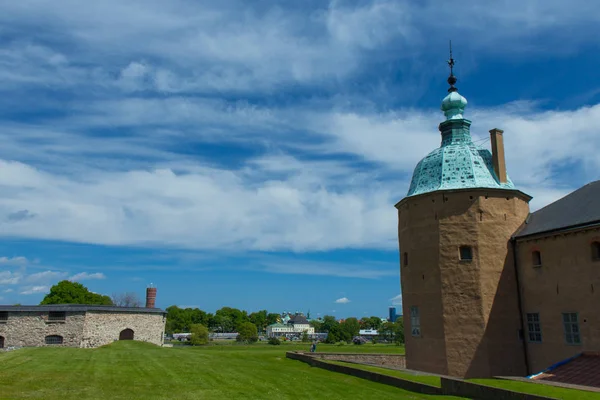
(451, 79)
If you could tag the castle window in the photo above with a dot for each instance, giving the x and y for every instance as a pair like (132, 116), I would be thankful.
(571, 325)
(405, 259)
(466, 253)
(3, 316)
(596, 251)
(534, 328)
(536, 258)
(54, 339)
(57, 316)
(415, 321)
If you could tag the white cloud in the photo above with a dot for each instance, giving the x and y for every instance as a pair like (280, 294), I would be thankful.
(343, 300)
(10, 278)
(84, 276)
(8, 290)
(44, 277)
(397, 301)
(35, 289)
(13, 261)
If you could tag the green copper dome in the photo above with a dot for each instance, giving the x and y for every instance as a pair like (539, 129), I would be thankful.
(458, 163)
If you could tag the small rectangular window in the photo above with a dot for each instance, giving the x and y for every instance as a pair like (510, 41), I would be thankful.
(534, 328)
(415, 321)
(536, 259)
(54, 339)
(405, 261)
(57, 316)
(466, 253)
(571, 325)
(3, 316)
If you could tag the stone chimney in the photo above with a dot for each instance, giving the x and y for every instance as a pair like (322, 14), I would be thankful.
(498, 154)
(151, 297)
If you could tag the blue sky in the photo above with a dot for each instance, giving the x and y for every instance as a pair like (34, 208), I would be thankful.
(249, 154)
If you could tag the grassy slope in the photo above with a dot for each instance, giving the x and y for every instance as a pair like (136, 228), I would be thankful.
(132, 370)
(524, 387)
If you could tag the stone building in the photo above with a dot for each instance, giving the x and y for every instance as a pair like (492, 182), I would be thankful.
(488, 288)
(76, 325)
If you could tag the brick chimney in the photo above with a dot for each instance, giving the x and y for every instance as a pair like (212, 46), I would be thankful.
(151, 297)
(498, 154)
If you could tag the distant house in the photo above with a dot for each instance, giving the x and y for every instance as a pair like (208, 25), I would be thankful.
(368, 333)
(294, 326)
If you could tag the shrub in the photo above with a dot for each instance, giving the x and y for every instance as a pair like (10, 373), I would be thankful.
(274, 341)
(199, 334)
(247, 333)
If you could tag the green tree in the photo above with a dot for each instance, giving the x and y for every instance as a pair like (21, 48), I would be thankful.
(259, 319)
(399, 331)
(350, 326)
(229, 319)
(318, 325)
(247, 333)
(272, 318)
(199, 334)
(67, 292)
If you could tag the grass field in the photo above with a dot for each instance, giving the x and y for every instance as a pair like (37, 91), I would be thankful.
(523, 387)
(134, 370)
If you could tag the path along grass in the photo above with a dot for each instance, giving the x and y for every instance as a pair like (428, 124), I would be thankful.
(134, 370)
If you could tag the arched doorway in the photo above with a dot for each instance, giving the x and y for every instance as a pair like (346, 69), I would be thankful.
(1, 342)
(126, 334)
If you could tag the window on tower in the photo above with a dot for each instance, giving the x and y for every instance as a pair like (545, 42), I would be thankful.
(466, 253)
(415, 321)
(536, 258)
(596, 251)
(405, 259)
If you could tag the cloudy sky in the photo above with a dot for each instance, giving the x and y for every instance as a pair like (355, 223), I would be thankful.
(249, 154)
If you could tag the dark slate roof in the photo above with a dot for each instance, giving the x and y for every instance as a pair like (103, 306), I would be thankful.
(577, 209)
(298, 319)
(80, 308)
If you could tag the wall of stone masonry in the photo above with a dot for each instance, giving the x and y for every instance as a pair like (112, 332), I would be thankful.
(102, 328)
(31, 328)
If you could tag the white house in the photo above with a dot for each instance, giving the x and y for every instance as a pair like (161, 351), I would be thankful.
(295, 326)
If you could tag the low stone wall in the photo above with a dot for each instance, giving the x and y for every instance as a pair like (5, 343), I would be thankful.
(449, 386)
(359, 373)
(395, 361)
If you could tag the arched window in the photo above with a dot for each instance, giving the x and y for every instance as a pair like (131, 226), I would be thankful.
(126, 334)
(595, 251)
(536, 258)
(466, 253)
(405, 260)
(54, 339)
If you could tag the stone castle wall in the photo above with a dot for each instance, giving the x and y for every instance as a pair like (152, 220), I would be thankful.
(80, 329)
(102, 328)
(29, 329)
(568, 281)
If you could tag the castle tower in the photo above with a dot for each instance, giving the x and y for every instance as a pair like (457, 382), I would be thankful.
(460, 299)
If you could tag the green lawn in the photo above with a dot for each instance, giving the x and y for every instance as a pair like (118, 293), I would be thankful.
(134, 370)
(523, 387)
(540, 389)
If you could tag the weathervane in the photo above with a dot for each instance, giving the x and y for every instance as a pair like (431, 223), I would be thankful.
(451, 79)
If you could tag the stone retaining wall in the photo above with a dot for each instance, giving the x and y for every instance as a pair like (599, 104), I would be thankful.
(449, 386)
(395, 361)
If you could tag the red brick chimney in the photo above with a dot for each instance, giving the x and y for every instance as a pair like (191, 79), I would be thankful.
(498, 154)
(151, 297)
